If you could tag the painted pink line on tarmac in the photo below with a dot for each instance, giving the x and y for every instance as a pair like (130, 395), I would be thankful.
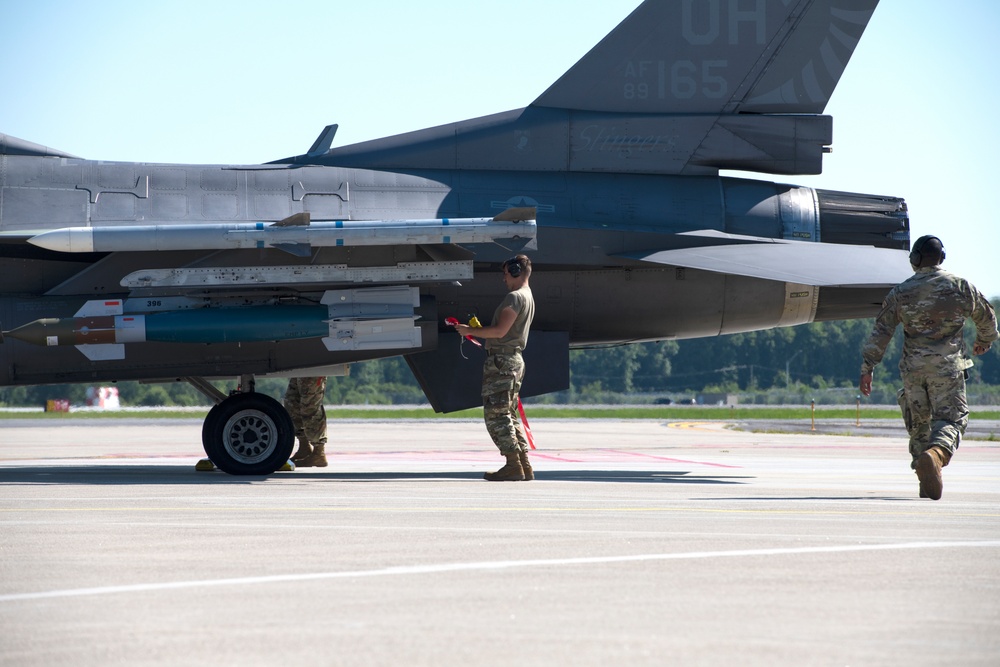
(589, 456)
(672, 459)
(436, 455)
(562, 458)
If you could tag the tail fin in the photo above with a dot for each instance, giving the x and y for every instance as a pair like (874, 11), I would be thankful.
(717, 56)
(679, 87)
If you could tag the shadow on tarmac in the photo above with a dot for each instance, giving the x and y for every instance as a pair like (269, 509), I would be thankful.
(134, 474)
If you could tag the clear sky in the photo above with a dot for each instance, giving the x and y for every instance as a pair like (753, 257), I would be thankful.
(247, 81)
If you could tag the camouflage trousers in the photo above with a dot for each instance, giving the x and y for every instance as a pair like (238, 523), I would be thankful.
(502, 375)
(935, 411)
(304, 402)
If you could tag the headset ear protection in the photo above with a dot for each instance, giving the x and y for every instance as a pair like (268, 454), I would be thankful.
(916, 254)
(513, 267)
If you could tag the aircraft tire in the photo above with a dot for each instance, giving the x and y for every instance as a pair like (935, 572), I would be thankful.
(207, 427)
(248, 434)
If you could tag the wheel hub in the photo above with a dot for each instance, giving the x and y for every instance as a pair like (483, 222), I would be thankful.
(250, 436)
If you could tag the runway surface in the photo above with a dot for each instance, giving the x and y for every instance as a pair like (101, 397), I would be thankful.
(640, 543)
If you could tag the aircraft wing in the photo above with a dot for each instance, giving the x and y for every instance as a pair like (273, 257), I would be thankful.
(802, 262)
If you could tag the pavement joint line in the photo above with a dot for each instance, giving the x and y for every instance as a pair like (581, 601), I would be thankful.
(400, 570)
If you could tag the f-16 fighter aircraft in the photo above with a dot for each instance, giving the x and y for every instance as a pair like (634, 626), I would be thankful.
(609, 180)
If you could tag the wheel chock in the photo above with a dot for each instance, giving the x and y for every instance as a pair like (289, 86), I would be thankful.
(288, 467)
(204, 465)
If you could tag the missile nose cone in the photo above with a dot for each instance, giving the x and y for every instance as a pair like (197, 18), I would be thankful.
(69, 239)
(40, 332)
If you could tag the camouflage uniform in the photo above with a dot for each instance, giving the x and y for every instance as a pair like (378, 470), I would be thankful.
(503, 372)
(932, 307)
(502, 376)
(304, 402)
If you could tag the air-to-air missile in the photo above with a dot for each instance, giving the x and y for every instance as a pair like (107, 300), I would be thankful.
(355, 319)
(295, 234)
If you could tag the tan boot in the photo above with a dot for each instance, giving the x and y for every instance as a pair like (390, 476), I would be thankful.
(317, 459)
(512, 472)
(928, 470)
(529, 474)
(303, 452)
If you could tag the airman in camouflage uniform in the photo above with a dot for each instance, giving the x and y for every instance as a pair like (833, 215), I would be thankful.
(503, 371)
(932, 306)
(304, 402)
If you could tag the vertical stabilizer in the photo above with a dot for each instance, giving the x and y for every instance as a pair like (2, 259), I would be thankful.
(717, 56)
(679, 87)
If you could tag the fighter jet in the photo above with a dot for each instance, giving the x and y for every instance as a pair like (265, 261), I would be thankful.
(610, 180)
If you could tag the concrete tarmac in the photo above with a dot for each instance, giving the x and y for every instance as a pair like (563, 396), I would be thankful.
(639, 543)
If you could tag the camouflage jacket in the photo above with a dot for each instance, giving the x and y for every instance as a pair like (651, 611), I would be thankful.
(932, 306)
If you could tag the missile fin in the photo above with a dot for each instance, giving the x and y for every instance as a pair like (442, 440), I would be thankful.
(297, 220)
(100, 308)
(110, 352)
(517, 214)
(297, 249)
(386, 334)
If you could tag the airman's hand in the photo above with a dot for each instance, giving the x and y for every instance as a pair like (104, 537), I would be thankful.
(865, 384)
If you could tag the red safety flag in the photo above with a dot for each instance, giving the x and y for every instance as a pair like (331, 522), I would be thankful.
(524, 420)
(452, 321)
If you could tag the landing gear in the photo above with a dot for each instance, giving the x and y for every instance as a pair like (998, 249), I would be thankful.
(248, 434)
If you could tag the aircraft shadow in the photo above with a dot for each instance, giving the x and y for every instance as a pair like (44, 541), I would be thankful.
(103, 475)
(136, 474)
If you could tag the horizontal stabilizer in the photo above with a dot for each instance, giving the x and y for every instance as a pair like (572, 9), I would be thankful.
(820, 264)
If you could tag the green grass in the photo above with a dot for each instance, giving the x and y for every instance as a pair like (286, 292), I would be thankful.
(669, 413)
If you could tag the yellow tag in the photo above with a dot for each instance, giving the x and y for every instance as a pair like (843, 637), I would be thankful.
(474, 323)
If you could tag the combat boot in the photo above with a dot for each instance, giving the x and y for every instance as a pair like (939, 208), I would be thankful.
(529, 474)
(512, 472)
(317, 459)
(303, 452)
(928, 470)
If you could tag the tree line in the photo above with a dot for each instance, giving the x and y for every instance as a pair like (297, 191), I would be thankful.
(792, 364)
